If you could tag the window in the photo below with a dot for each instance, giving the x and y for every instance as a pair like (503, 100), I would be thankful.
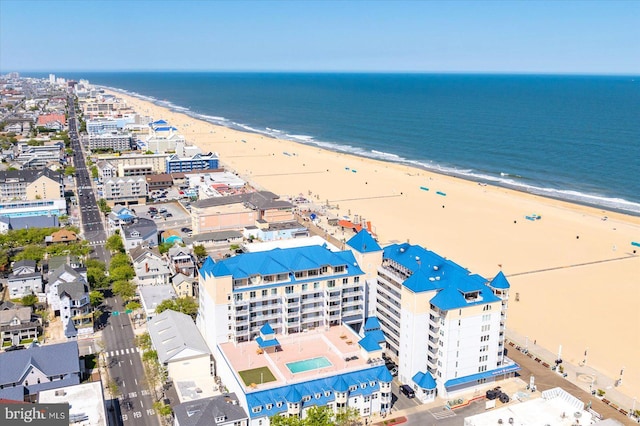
(352, 388)
(484, 338)
(269, 406)
(338, 269)
(265, 293)
(345, 281)
(482, 368)
(274, 291)
(288, 289)
(356, 279)
(256, 409)
(327, 393)
(486, 317)
(252, 295)
(318, 396)
(279, 404)
(331, 283)
(316, 285)
(306, 398)
(486, 327)
(483, 358)
(305, 287)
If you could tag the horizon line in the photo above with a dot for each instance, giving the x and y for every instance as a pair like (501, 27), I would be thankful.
(185, 71)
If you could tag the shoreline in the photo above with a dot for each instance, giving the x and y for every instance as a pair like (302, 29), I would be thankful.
(570, 196)
(576, 287)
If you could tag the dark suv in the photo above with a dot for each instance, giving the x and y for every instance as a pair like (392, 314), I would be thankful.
(407, 391)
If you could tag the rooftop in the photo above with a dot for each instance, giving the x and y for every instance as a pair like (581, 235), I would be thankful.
(315, 240)
(86, 401)
(336, 344)
(175, 336)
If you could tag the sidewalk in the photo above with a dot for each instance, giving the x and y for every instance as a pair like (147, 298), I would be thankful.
(583, 376)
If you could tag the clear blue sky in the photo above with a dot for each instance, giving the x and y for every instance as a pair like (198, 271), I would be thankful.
(601, 37)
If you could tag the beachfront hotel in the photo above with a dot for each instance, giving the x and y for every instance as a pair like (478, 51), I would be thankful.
(281, 324)
(444, 326)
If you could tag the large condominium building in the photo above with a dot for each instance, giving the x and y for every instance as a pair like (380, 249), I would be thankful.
(156, 161)
(443, 325)
(162, 137)
(112, 140)
(125, 190)
(101, 126)
(292, 289)
(176, 164)
(31, 185)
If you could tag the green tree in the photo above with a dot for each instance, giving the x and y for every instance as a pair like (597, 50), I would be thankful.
(162, 409)
(200, 252)
(69, 171)
(44, 315)
(278, 420)
(97, 278)
(143, 341)
(347, 417)
(125, 289)
(95, 263)
(31, 252)
(96, 298)
(133, 305)
(114, 244)
(103, 206)
(119, 259)
(114, 389)
(122, 273)
(29, 300)
(186, 305)
(164, 247)
(94, 172)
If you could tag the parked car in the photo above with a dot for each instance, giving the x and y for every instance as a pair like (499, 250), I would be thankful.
(186, 230)
(162, 210)
(407, 391)
(166, 215)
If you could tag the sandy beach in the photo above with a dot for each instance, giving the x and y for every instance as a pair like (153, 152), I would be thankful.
(576, 275)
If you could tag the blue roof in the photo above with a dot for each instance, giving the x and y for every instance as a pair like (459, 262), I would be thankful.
(424, 380)
(376, 335)
(266, 329)
(369, 343)
(491, 373)
(321, 391)
(500, 281)
(159, 122)
(372, 323)
(432, 272)
(363, 242)
(282, 261)
(164, 129)
(267, 343)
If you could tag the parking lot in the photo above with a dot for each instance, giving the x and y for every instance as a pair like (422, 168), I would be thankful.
(170, 215)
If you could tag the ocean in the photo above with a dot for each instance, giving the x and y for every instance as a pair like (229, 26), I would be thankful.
(575, 138)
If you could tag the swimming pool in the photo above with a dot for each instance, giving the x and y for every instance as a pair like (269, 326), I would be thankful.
(308, 364)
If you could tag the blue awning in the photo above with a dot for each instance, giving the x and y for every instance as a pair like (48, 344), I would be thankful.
(491, 373)
(267, 343)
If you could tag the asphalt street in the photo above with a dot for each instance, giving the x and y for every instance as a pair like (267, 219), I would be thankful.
(121, 356)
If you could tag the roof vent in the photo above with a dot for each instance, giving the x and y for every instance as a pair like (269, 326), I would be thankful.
(435, 268)
(417, 258)
(401, 249)
(437, 278)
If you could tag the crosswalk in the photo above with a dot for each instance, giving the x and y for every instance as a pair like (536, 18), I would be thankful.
(445, 413)
(97, 243)
(119, 352)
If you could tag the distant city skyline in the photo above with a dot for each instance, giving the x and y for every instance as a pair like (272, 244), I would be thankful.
(598, 37)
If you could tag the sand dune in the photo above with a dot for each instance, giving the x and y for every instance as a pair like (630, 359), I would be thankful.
(576, 274)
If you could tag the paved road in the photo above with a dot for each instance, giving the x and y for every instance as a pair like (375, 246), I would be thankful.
(125, 368)
(92, 226)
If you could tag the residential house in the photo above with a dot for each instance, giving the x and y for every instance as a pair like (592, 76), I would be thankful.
(25, 279)
(68, 297)
(52, 121)
(119, 216)
(62, 236)
(184, 286)
(182, 260)
(222, 410)
(180, 347)
(18, 325)
(26, 372)
(219, 238)
(151, 271)
(140, 232)
(54, 262)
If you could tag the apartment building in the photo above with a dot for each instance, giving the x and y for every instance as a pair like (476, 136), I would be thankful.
(162, 137)
(125, 190)
(292, 289)
(156, 161)
(112, 140)
(101, 126)
(443, 325)
(30, 184)
(177, 164)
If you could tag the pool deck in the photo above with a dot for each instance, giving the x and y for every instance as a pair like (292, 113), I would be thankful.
(336, 344)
